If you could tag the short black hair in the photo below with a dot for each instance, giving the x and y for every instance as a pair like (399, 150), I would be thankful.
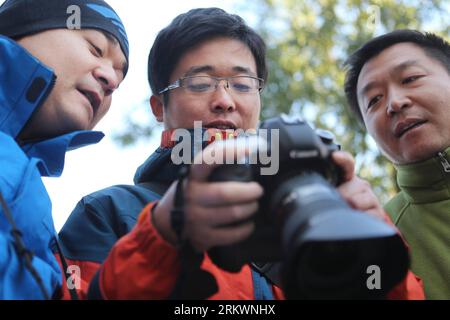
(434, 46)
(191, 29)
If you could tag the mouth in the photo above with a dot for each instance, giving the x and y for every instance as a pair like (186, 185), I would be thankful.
(404, 126)
(221, 125)
(93, 98)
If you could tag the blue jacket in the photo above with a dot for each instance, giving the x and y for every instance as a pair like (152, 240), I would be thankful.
(24, 85)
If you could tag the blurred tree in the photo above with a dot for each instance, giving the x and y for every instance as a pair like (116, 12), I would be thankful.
(138, 125)
(308, 42)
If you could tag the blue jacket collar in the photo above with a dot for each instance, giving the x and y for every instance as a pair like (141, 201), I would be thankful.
(25, 84)
(51, 152)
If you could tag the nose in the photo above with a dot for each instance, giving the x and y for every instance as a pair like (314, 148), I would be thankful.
(397, 101)
(107, 77)
(221, 99)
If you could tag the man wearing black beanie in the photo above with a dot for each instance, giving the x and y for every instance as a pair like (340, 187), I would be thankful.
(60, 62)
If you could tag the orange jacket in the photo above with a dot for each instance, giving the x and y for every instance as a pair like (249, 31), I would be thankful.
(142, 265)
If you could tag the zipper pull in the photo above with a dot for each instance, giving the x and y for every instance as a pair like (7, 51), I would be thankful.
(444, 161)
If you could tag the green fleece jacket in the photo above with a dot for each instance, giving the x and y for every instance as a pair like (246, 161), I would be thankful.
(422, 213)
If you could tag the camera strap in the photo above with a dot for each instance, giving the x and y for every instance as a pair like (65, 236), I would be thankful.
(72, 290)
(21, 249)
(177, 212)
(193, 283)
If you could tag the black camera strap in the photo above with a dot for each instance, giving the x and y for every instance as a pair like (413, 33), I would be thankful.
(193, 283)
(21, 249)
(72, 291)
(177, 212)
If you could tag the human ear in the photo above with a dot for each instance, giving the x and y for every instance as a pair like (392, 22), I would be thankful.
(157, 107)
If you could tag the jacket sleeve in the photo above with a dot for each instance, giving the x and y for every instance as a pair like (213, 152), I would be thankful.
(91, 230)
(94, 226)
(100, 219)
(141, 265)
(86, 238)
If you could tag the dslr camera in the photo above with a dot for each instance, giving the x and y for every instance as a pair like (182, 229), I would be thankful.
(315, 244)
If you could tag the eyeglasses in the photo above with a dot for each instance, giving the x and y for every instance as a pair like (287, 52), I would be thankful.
(201, 84)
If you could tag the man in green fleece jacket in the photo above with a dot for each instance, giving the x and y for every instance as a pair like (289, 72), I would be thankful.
(398, 85)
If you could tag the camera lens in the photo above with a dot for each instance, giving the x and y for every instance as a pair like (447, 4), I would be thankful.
(328, 245)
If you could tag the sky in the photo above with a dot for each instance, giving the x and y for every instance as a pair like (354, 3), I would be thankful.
(107, 163)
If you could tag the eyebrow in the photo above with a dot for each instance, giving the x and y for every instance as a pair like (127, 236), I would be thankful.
(368, 87)
(405, 65)
(208, 68)
(112, 40)
(397, 69)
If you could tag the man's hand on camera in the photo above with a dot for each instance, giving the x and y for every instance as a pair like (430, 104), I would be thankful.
(356, 191)
(211, 207)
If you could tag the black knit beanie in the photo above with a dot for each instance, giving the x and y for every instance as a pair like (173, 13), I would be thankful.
(19, 18)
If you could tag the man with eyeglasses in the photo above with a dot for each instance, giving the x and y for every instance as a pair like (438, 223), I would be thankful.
(207, 66)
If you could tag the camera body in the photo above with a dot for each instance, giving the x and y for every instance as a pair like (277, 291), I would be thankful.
(303, 222)
(301, 152)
